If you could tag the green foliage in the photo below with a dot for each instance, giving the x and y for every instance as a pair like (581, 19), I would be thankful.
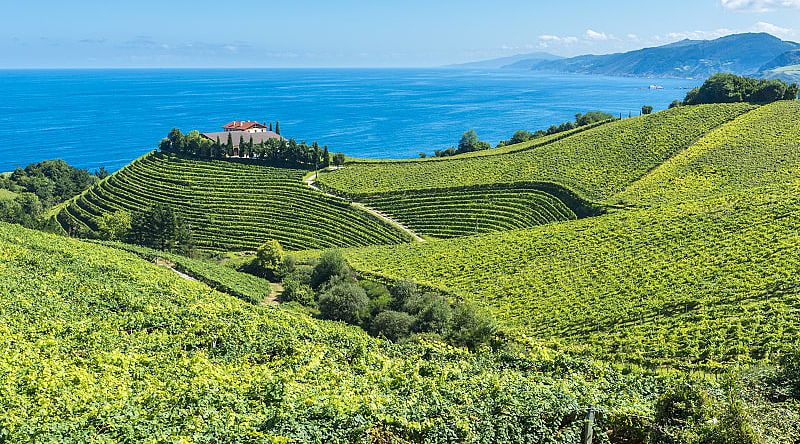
(294, 290)
(114, 226)
(729, 88)
(344, 301)
(392, 325)
(52, 181)
(155, 227)
(331, 265)
(24, 209)
(338, 159)
(581, 120)
(231, 205)
(471, 327)
(647, 109)
(596, 164)
(270, 257)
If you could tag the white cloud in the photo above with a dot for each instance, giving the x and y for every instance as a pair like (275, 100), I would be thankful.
(777, 31)
(759, 5)
(594, 35)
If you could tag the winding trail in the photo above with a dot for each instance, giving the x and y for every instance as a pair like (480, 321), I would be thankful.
(310, 181)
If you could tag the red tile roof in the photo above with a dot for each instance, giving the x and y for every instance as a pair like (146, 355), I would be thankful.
(242, 126)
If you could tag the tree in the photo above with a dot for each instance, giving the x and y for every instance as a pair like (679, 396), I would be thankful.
(277, 128)
(114, 226)
(392, 325)
(647, 109)
(102, 173)
(229, 145)
(338, 159)
(326, 156)
(270, 126)
(296, 291)
(270, 257)
(154, 228)
(345, 301)
(520, 136)
(331, 264)
(175, 138)
(471, 327)
(729, 88)
(675, 104)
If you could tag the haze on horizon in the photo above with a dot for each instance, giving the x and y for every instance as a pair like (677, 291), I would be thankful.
(359, 33)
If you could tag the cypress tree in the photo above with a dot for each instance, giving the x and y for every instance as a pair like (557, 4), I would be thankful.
(270, 126)
(241, 145)
(229, 146)
(326, 156)
(277, 128)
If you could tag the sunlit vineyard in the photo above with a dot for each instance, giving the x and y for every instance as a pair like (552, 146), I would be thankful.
(100, 345)
(234, 206)
(463, 212)
(596, 164)
(227, 280)
(648, 286)
(759, 150)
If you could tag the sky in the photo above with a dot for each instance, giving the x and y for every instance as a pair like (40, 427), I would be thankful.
(359, 33)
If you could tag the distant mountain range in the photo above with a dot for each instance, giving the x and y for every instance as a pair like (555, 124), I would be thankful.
(511, 62)
(756, 54)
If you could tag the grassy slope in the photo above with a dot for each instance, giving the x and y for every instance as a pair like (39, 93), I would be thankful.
(596, 164)
(100, 345)
(235, 206)
(7, 194)
(705, 281)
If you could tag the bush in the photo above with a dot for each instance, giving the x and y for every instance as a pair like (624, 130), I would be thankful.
(647, 109)
(435, 316)
(379, 297)
(402, 291)
(296, 291)
(344, 301)
(471, 327)
(331, 264)
(114, 226)
(392, 325)
(270, 257)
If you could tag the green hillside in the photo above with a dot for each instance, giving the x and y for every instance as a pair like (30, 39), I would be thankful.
(758, 150)
(712, 279)
(233, 205)
(101, 346)
(596, 164)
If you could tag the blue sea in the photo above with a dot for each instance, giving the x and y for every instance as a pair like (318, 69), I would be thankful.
(94, 118)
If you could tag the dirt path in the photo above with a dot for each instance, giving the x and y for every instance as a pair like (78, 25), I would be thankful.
(274, 295)
(310, 181)
(167, 264)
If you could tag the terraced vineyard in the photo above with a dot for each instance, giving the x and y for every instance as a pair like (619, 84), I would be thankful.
(596, 164)
(707, 275)
(462, 212)
(234, 206)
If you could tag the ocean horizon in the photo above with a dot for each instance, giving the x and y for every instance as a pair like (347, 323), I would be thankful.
(96, 118)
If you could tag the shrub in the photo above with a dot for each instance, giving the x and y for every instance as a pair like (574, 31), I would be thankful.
(435, 316)
(392, 325)
(402, 291)
(471, 327)
(270, 257)
(647, 109)
(114, 226)
(296, 291)
(331, 264)
(379, 297)
(344, 301)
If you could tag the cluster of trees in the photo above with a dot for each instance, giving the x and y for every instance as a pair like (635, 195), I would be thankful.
(399, 313)
(580, 120)
(52, 181)
(40, 186)
(158, 227)
(730, 88)
(469, 142)
(278, 151)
